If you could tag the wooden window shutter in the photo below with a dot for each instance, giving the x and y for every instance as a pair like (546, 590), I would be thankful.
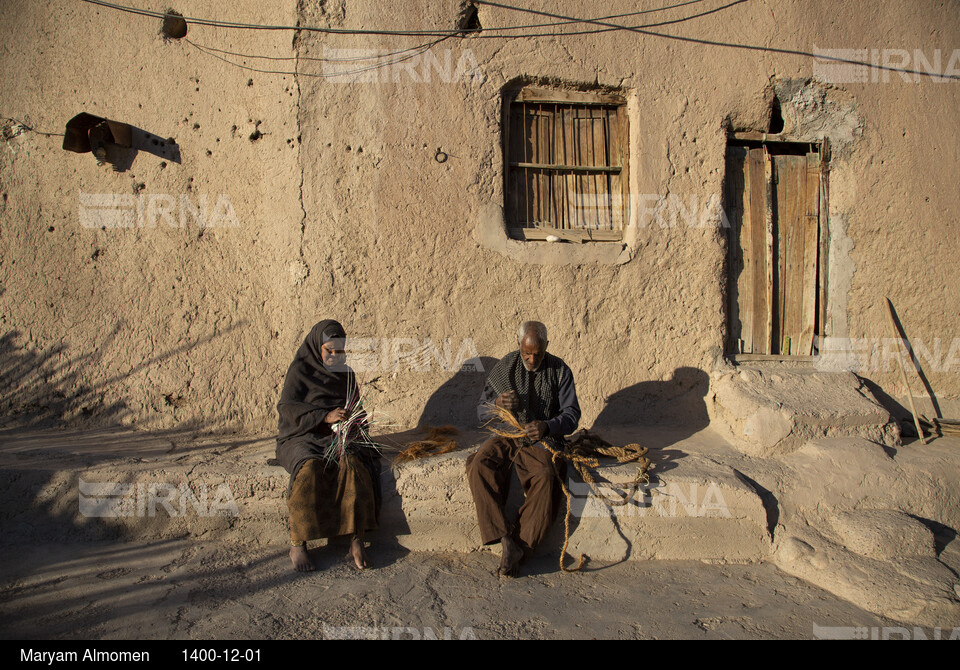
(566, 165)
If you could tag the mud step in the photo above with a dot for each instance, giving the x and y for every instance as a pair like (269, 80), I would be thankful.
(699, 509)
(772, 411)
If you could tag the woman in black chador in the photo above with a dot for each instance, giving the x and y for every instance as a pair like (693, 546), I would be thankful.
(329, 494)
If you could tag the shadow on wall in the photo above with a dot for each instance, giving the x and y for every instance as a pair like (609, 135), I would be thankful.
(677, 402)
(455, 401)
(666, 413)
(121, 158)
(48, 388)
(115, 142)
(42, 389)
(677, 405)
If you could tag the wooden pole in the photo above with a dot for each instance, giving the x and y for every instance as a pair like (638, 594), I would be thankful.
(903, 372)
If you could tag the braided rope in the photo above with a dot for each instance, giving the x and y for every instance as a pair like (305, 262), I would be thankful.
(576, 454)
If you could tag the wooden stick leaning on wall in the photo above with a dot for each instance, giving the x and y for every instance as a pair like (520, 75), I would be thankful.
(916, 368)
(903, 372)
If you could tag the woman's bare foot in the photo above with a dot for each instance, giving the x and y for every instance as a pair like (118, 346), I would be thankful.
(358, 554)
(300, 559)
(510, 556)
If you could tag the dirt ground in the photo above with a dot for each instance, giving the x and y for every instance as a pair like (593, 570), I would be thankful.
(180, 589)
(200, 578)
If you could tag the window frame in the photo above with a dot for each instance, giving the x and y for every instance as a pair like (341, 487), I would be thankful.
(573, 100)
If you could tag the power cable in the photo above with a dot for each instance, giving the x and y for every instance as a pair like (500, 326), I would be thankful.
(696, 40)
(428, 45)
(603, 23)
(324, 75)
(24, 126)
(395, 32)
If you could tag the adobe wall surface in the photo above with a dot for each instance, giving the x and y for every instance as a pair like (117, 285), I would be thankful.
(343, 209)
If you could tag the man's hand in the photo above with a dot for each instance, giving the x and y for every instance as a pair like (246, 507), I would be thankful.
(335, 415)
(537, 430)
(508, 401)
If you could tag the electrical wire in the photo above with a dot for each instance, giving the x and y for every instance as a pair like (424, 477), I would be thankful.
(610, 28)
(603, 23)
(412, 52)
(427, 45)
(696, 40)
(608, 18)
(460, 32)
(257, 26)
(324, 75)
(495, 33)
(28, 128)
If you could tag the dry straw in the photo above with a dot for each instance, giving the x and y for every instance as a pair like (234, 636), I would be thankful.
(437, 442)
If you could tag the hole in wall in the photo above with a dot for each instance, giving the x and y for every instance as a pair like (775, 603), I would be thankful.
(174, 27)
(469, 19)
(776, 117)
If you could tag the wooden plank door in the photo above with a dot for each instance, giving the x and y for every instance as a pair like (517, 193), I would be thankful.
(797, 225)
(750, 264)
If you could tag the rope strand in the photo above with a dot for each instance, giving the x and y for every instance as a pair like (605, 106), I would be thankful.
(582, 452)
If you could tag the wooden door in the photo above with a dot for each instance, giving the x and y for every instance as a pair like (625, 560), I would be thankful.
(773, 204)
(797, 222)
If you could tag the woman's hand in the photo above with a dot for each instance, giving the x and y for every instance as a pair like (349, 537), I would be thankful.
(335, 416)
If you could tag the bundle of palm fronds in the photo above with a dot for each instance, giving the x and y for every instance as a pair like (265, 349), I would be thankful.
(437, 442)
(354, 431)
(504, 416)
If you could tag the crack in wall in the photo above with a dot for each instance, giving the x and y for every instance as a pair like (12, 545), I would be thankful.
(300, 270)
(303, 209)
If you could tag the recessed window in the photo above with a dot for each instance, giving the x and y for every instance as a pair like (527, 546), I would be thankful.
(566, 168)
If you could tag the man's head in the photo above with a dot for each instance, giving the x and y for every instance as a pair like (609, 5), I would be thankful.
(532, 338)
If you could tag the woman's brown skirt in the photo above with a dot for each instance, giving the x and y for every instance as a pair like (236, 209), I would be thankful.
(327, 500)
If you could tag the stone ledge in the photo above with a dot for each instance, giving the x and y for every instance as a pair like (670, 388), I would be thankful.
(698, 508)
(769, 412)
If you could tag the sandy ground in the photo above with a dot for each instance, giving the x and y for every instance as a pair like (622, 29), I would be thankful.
(181, 589)
(191, 577)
